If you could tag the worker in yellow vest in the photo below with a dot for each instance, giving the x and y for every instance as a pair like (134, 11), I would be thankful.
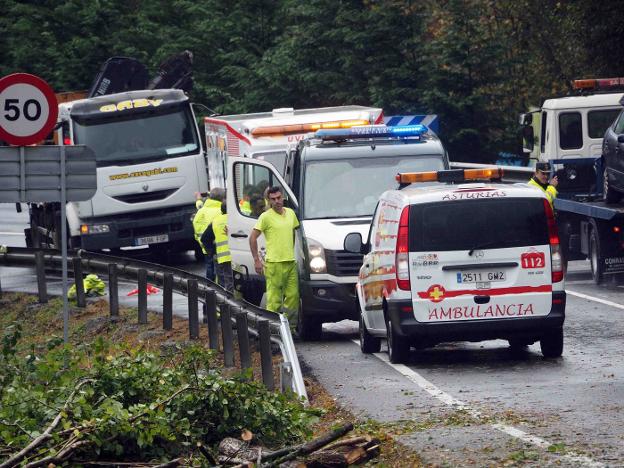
(540, 181)
(202, 220)
(217, 234)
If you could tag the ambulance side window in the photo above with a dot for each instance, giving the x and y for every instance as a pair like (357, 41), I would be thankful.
(250, 183)
(373, 227)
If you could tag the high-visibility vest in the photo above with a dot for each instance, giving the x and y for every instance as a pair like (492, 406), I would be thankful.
(550, 191)
(204, 217)
(221, 239)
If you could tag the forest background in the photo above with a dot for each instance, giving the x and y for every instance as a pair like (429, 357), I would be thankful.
(475, 63)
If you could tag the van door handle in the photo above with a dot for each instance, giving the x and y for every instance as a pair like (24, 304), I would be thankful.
(239, 235)
(482, 299)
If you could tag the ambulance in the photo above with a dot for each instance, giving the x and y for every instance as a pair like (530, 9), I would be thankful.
(269, 136)
(446, 260)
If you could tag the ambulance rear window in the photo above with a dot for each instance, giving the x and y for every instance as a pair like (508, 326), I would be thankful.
(478, 224)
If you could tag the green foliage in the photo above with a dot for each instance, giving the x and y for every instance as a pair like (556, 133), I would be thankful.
(133, 404)
(476, 63)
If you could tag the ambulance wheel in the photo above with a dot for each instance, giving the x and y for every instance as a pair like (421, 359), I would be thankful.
(398, 346)
(552, 343)
(368, 343)
(610, 195)
(595, 259)
(308, 329)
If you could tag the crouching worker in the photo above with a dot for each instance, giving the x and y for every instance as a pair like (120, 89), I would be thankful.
(278, 225)
(217, 233)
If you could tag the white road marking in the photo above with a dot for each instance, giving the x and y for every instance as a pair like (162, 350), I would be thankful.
(595, 299)
(449, 400)
(11, 233)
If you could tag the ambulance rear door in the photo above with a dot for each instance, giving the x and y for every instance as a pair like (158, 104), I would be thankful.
(479, 255)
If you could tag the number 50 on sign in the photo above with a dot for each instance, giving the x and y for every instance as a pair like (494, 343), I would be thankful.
(28, 109)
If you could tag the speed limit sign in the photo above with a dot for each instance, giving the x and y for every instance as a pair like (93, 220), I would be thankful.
(28, 109)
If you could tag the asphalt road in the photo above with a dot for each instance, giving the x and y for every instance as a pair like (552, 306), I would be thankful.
(474, 404)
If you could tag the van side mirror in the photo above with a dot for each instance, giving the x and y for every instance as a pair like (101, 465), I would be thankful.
(620, 138)
(353, 243)
(526, 119)
(528, 138)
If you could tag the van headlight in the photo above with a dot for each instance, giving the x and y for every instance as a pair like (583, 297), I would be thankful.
(316, 253)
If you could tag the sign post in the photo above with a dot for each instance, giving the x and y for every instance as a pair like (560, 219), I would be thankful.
(28, 113)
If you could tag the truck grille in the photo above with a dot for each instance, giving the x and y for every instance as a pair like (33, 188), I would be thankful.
(145, 196)
(341, 263)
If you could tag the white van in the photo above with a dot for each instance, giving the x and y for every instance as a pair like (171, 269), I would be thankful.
(333, 182)
(460, 262)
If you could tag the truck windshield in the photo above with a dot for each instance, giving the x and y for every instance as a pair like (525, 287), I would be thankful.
(350, 188)
(144, 138)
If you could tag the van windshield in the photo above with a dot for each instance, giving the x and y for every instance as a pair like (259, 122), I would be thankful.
(144, 138)
(477, 224)
(350, 188)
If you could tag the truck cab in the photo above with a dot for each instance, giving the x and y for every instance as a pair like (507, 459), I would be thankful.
(149, 166)
(573, 126)
(333, 181)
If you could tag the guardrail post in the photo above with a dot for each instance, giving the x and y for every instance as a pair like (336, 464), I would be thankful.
(42, 287)
(80, 292)
(242, 331)
(266, 357)
(286, 377)
(210, 310)
(113, 290)
(168, 301)
(142, 285)
(193, 320)
(226, 332)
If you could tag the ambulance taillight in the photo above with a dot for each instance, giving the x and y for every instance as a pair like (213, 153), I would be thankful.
(402, 252)
(555, 248)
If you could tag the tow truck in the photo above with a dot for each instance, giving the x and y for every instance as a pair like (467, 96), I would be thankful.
(570, 136)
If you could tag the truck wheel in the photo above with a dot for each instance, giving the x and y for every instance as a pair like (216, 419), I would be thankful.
(609, 194)
(398, 346)
(308, 328)
(368, 343)
(595, 257)
(552, 344)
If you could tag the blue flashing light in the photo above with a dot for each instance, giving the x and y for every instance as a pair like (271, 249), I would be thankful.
(372, 131)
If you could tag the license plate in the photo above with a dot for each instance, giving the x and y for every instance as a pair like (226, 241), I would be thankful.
(480, 277)
(152, 239)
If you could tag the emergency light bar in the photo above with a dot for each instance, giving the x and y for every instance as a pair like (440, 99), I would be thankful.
(372, 131)
(274, 130)
(451, 175)
(598, 83)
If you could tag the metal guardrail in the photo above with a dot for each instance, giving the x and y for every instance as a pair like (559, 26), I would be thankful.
(197, 288)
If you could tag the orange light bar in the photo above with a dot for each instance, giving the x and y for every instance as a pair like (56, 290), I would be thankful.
(599, 83)
(274, 130)
(451, 175)
(583, 84)
(84, 229)
(477, 174)
(413, 177)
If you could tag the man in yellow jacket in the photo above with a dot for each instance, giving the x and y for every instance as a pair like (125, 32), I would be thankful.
(540, 181)
(202, 220)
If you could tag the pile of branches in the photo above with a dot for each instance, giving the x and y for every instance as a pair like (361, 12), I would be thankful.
(98, 404)
(329, 450)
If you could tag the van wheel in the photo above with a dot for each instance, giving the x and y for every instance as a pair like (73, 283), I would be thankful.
(595, 259)
(398, 346)
(368, 343)
(552, 344)
(609, 194)
(308, 329)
